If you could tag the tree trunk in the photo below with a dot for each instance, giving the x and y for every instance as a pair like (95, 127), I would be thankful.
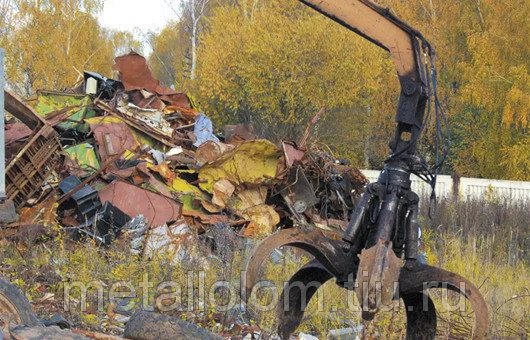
(193, 51)
(194, 23)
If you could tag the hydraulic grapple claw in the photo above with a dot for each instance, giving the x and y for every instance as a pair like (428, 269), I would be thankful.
(423, 277)
(333, 260)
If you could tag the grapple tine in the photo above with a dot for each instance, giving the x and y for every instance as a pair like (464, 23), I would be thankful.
(296, 295)
(421, 322)
(329, 252)
(422, 277)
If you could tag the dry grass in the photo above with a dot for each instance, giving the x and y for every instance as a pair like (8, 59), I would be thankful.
(485, 242)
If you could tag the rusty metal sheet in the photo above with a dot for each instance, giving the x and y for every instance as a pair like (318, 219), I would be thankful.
(16, 131)
(134, 201)
(377, 277)
(139, 98)
(291, 153)
(299, 190)
(135, 75)
(150, 117)
(139, 125)
(65, 110)
(112, 135)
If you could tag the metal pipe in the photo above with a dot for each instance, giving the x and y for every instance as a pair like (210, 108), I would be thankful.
(2, 131)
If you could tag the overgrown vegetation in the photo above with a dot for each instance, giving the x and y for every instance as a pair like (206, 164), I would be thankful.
(486, 242)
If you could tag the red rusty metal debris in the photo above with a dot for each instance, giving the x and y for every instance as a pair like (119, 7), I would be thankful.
(132, 200)
(112, 135)
(135, 75)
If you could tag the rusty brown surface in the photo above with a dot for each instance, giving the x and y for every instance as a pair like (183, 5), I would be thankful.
(134, 201)
(16, 131)
(139, 125)
(113, 138)
(27, 171)
(135, 75)
(377, 277)
(25, 113)
(151, 102)
(291, 153)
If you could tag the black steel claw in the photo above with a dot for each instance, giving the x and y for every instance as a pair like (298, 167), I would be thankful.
(331, 253)
(421, 277)
(332, 259)
(296, 295)
(421, 322)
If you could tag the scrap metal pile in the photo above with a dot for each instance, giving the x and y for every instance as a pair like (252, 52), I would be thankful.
(114, 153)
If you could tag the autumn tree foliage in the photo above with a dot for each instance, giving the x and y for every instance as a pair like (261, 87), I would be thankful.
(53, 41)
(483, 57)
(275, 63)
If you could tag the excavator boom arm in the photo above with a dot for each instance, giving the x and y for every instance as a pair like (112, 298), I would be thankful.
(379, 26)
(371, 22)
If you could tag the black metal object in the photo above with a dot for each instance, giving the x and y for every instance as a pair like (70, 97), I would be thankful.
(106, 88)
(103, 227)
(108, 222)
(85, 200)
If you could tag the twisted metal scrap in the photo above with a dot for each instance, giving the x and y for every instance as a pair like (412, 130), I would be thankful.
(332, 259)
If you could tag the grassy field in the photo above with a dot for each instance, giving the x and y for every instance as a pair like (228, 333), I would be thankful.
(486, 242)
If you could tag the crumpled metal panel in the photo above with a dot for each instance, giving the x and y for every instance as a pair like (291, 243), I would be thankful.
(112, 135)
(253, 162)
(153, 118)
(135, 75)
(134, 201)
(64, 110)
(84, 156)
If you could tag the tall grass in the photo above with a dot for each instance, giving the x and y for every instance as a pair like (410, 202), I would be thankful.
(486, 242)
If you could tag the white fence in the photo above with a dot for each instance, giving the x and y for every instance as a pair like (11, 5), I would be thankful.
(468, 188)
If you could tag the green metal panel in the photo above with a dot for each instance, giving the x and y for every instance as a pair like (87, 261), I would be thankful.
(76, 108)
(85, 155)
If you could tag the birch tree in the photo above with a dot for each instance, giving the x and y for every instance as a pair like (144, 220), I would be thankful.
(191, 14)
